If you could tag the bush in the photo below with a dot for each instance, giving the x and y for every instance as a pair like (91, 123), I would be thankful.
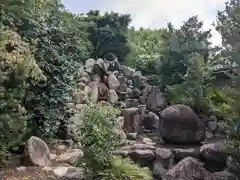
(125, 169)
(194, 90)
(18, 70)
(98, 136)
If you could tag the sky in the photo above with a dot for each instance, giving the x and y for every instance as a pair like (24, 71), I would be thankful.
(155, 13)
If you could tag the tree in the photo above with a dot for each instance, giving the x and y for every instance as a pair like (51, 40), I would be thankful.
(108, 33)
(228, 24)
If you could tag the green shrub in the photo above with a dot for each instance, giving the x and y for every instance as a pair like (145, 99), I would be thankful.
(125, 169)
(194, 90)
(18, 70)
(98, 136)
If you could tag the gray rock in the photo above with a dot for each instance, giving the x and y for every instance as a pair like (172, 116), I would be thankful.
(112, 96)
(89, 65)
(183, 123)
(132, 136)
(94, 95)
(224, 175)
(131, 103)
(96, 78)
(37, 151)
(214, 152)
(155, 100)
(131, 120)
(113, 82)
(127, 71)
(142, 156)
(137, 80)
(151, 121)
(72, 157)
(188, 169)
(181, 153)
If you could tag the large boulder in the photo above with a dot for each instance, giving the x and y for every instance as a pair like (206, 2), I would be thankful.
(188, 169)
(180, 125)
(37, 152)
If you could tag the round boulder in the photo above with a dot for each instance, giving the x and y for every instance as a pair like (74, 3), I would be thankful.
(180, 125)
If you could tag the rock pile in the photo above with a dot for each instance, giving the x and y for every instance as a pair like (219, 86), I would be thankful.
(144, 109)
(171, 140)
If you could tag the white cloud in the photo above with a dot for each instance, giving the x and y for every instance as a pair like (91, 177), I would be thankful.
(156, 13)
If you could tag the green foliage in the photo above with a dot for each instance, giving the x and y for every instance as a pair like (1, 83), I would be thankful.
(98, 136)
(125, 169)
(108, 33)
(18, 70)
(195, 88)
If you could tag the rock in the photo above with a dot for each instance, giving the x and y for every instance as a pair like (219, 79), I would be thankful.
(136, 93)
(214, 155)
(72, 156)
(79, 97)
(131, 103)
(130, 83)
(123, 88)
(131, 120)
(127, 71)
(75, 122)
(53, 156)
(131, 136)
(96, 78)
(212, 125)
(120, 121)
(208, 134)
(103, 90)
(165, 157)
(183, 123)
(113, 83)
(89, 65)
(85, 78)
(81, 86)
(148, 141)
(60, 171)
(142, 146)
(137, 80)
(37, 151)
(121, 79)
(112, 96)
(233, 165)
(188, 169)
(151, 121)
(146, 91)
(224, 175)
(61, 148)
(158, 170)
(21, 169)
(180, 153)
(75, 174)
(101, 63)
(94, 95)
(87, 90)
(129, 92)
(142, 100)
(142, 156)
(164, 161)
(155, 100)
(142, 110)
